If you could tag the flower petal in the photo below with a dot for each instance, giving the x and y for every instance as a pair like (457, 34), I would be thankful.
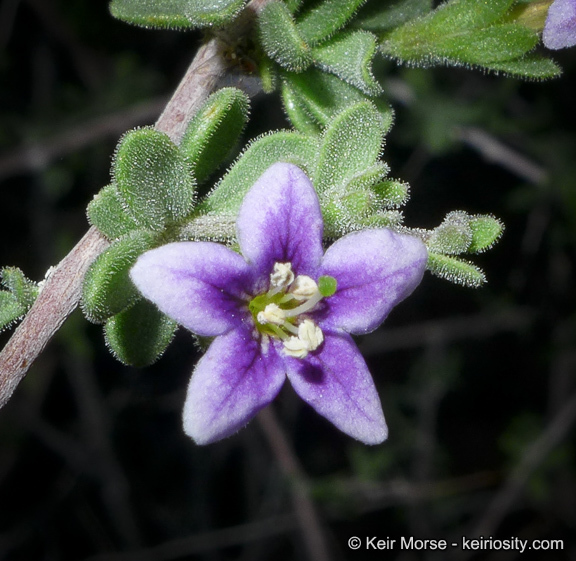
(560, 27)
(199, 284)
(335, 381)
(375, 270)
(280, 221)
(231, 383)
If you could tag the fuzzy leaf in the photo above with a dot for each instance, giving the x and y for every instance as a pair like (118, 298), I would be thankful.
(10, 309)
(530, 66)
(325, 18)
(297, 112)
(350, 146)
(24, 290)
(280, 38)
(455, 270)
(174, 14)
(139, 335)
(378, 18)
(282, 146)
(349, 56)
(392, 193)
(453, 236)
(105, 212)
(214, 131)
(153, 178)
(107, 288)
(318, 94)
(368, 178)
(462, 32)
(486, 230)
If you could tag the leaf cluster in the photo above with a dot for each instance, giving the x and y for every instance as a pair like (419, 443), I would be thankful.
(152, 195)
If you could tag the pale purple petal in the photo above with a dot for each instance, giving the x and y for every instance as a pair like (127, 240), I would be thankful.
(199, 284)
(374, 269)
(335, 381)
(231, 383)
(560, 27)
(280, 221)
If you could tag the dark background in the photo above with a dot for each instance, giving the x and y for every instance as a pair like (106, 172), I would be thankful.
(477, 385)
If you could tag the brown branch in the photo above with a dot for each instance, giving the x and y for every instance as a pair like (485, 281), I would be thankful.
(62, 290)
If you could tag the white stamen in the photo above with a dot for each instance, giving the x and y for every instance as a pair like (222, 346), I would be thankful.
(281, 277)
(310, 337)
(309, 332)
(303, 287)
(305, 307)
(271, 314)
(295, 347)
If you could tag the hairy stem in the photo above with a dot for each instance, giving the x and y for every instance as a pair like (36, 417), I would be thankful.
(62, 290)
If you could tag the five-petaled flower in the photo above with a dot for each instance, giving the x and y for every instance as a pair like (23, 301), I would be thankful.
(560, 27)
(283, 308)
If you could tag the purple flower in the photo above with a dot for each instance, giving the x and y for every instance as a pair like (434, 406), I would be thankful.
(560, 27)
(283, 308)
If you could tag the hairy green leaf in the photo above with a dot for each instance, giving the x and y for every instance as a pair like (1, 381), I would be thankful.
(280, 38)
(105, 212)
(10, 309)
(453, 236)
(486, 230)
(281, 146)
(139, 335)
(175, 14)
(107, 288)
(349, 56)
(325, 18)
(153, 178)
(381, 15)
(392, 193)
(24, 290)
(214, 131)
(455, 270)
(351, 144)
(530, 66)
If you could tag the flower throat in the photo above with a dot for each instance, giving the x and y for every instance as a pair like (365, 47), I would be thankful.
(279, 312)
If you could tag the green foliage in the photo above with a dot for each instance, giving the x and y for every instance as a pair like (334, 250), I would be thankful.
(18, 296)
(486, 230)
(107, 288)
(312, 98)
(381, 15)
(455, 270)
(176, 14)
(324, 19)
(153, 178)
(350, 145)
(214, 131)
(280, 38)
(349, 56)
(461, 233)
(453, 236)
(106, 213)
(468, 32)
(392, 193)
(289, 147)
(139, 335)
